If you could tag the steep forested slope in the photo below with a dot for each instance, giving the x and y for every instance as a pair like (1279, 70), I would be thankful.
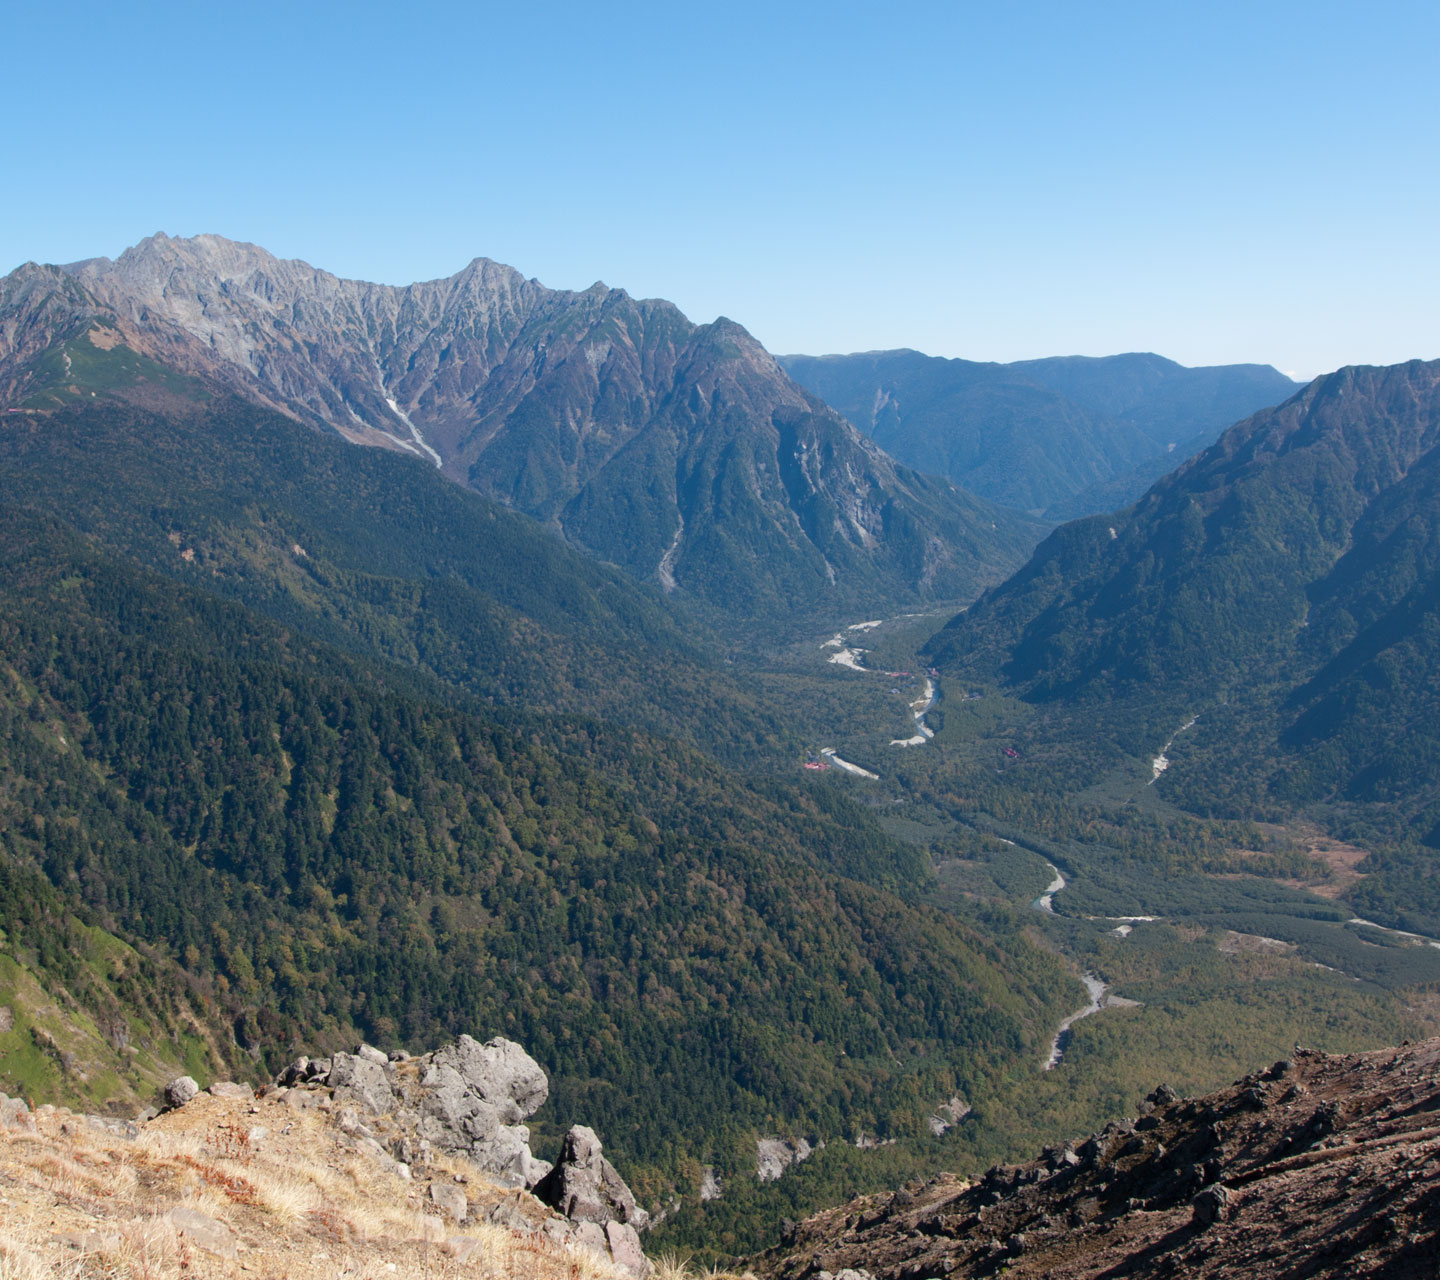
(1283, 586)
(379, 555)
(250, 722)
(339, 855)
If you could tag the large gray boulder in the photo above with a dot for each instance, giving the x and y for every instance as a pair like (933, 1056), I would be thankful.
(467, 1098)
(361, 1082)
(499, 1071)
(470, 1098)
(180, 1090)
(585, 1187)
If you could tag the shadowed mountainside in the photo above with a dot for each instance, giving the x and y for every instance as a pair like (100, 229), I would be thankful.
(1065, 436)
(1284, 587)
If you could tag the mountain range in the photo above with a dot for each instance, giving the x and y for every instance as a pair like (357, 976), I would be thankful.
(680, 452)
(1062, 437)
(302, 742)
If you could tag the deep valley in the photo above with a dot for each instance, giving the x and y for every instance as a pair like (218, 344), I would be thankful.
(392, 665)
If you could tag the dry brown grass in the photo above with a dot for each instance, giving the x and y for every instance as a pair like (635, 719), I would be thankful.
(17, 1262)
(677, 1266)
(83, 1203)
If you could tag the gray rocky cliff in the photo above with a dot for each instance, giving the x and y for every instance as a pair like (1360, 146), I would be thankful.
(648, 440)
(470, 1100)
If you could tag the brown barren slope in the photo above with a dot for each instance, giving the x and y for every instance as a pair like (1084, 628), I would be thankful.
(254, 1186)
(1320, 1166)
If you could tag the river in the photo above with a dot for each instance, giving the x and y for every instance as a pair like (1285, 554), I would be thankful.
(1096, 989)
(848, 655)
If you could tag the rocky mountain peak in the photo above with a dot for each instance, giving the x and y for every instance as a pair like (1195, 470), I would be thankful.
(635, 431)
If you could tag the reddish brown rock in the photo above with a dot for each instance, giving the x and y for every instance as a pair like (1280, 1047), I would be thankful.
(1319, 1167)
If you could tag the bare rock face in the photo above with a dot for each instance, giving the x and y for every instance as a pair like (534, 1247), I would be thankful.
(774, 1155)
(499, 1072)
(468, 1098)
(371, 1054)
(585, 1187)
(1319, 1166)
(624, 1243)
(362, 1082)
(948, 1115)
(711, 1187)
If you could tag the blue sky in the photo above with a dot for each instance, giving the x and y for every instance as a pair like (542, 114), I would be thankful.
(1215, 182)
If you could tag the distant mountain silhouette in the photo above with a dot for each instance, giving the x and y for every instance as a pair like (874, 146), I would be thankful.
(1065, 436)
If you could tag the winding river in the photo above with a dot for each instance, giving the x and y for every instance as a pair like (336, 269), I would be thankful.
(1093, 985)
(848, 655)
(1097, 990)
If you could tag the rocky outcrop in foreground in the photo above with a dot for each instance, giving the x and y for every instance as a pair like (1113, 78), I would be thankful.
(470, 1100)
(391, 1163)
(1320, 1166)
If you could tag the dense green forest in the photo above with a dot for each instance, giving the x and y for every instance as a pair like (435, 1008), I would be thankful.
(334, 851)
(378, 555)
(1284, 588)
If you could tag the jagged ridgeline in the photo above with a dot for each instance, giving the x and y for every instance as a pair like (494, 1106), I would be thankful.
(1284, 587)
(334, 844)
(681, 452)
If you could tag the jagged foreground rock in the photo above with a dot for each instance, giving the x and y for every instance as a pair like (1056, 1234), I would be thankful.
(1321, 1166)
(467, 1098)
(471, 1099)
(417, 1162)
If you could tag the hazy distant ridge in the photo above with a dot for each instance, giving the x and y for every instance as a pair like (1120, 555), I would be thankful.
(1065, 436)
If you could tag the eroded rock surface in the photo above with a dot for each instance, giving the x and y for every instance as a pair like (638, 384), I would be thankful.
(470, 1099)
(1319, 1166)
(774, 1155)
(584, 1186)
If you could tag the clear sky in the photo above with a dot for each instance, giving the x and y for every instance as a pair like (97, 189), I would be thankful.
(1217, 182)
